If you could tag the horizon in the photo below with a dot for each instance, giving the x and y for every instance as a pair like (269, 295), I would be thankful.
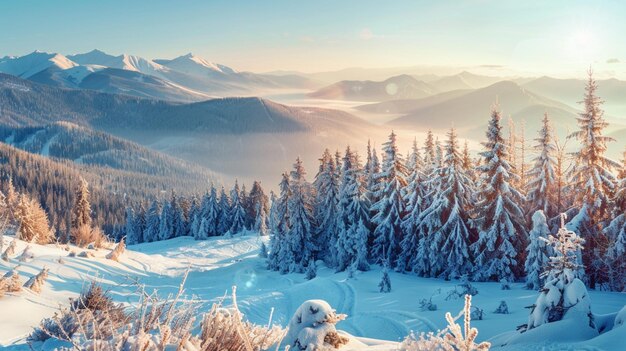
(489, 37)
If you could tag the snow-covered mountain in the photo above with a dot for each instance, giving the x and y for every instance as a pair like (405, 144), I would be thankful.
(185, 78)
(33, 63)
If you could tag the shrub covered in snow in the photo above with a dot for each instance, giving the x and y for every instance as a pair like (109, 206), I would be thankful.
(35, 283)
(11, 281)
(117, 251)
(9, 252)
(563, 294)
(503, 308)
(312, 327)
(27, 255)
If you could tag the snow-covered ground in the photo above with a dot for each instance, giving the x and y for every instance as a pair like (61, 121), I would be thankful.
(220, 263)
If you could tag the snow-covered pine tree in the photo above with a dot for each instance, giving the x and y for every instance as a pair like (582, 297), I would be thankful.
(211, 212)
(259, 208)
(445, 222)
(414, 197)
(132, 236)
(301, 231)
(326, 186)
(537, 252)
(499, 217)
(165, 222)
(615, 260)
(563, 293)
(178, 216)
(224, 221)
(390, 208)
(281, 256)
(352, 216)
(593, 182)
(385, 282)
(151, 231)
(468, 164)
(81, 212)
(542, 180)
(237, 212)
(372, 188)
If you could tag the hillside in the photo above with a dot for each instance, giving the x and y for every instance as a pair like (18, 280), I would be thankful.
(238, 137)
(469, 112)
(398, 87)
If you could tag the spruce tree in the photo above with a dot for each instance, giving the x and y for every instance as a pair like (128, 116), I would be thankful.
(165, 222)
(542, 183)
(301, 232)
(593, 182)
(445, 222)
(210, 213)
(237, 211)
(413, 195)
(352, 216)
(224, 220)
(327, 187)
(390, 207)
(259, 208)
(499, 217)
(132, 236)
(537, 252)
(281, 256)
(151, 232)
(81, 212)
(615, 260)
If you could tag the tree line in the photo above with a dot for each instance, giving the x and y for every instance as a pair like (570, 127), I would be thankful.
(441, 213)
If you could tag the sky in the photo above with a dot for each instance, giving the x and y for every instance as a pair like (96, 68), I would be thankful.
(560, 38)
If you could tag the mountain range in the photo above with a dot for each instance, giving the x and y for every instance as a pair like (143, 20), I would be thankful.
(185, 78)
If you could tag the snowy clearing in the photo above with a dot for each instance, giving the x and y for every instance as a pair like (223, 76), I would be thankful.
(219, 263)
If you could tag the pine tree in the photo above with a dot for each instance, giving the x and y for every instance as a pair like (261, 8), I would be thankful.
(224, 220)
(327, 187)
(537, 251)
(593, 183)
(210, 213)
(177, 219)
(81, 212)
(499, 219)
(563, 289)
(352, 216)
(542, 184)
(390, 208)
(132, 235)
(414, 197)
(237, 212)
(281, 256)
(385, 282)
(311, 270)
(616, 234)
(445, 223)
(151, 231)
(259, 207)
(32, 220)
(301, 231)
(165, 222)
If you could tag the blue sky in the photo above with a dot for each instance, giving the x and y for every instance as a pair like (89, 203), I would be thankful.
(558, 37)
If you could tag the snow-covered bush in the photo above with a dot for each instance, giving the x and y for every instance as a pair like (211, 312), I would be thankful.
(620, 318)
(117, 252)
(86, 254)
(312, 327)
(505, 284)
(452, 338)
(385, 281)
(427, 304)
(27, 255)
(477, 313)
(12, 281)
(35, 283)
(563, 294)
(9, 252)
(311, 270)
(462, 289)
(86, 235)
(263, 251)
(503, 308)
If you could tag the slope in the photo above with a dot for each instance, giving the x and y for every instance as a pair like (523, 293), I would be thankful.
(398, 87)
